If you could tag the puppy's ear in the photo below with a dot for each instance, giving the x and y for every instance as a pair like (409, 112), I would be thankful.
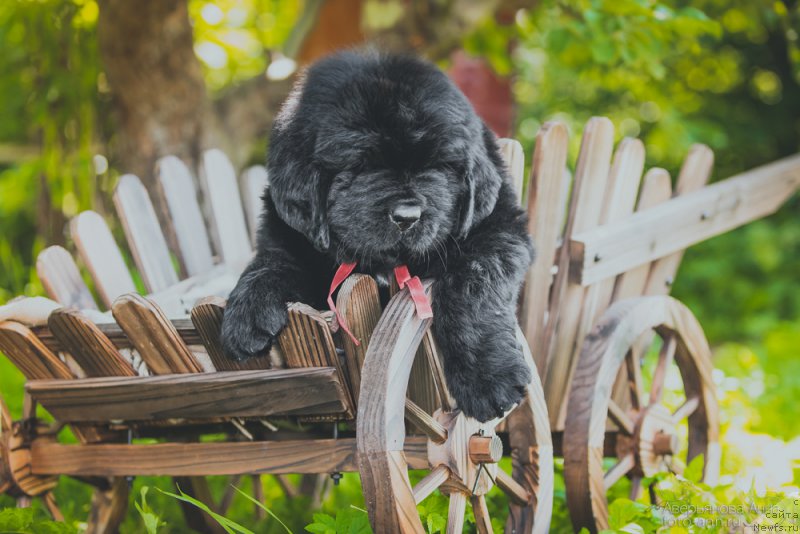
(484, 176)
(300, 196)
(298, 188)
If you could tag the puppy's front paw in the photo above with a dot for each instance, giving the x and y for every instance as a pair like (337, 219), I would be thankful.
(251, 325)
(496, 385)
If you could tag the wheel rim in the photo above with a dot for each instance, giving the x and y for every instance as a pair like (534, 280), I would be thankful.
(644, 427)
(391, 500)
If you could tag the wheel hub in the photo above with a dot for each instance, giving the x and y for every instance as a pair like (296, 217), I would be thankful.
(655, 438)
(471, 453)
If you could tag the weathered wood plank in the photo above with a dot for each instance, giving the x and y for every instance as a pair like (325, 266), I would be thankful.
(566, 301)
(154, 336)
(143, 232)
(694, 174)
(656, 188)
(218, 179)
(62, 280)
(207, 319)
(622, 188)
(35, 361)
(29, 354)
(307, 342)
(359, 303)
(87, 344)
(116, 335)
(512, 152)
(254, 183)
(306, 391)
(544, 224)
(208, 459)
(102, 256)
(683, 221)
(180, 194)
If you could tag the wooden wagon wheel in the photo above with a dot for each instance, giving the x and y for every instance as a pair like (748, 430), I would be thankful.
(641, 431)
(462, 453)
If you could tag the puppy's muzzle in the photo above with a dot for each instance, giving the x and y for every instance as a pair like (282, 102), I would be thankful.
(405, 216)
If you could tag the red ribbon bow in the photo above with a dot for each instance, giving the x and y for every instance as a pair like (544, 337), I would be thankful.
(404, 278)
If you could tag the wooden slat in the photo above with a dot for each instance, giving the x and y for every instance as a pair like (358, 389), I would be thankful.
(544, 225)
(102, 257)
(695, 173)
(193, 395)
(117, 336)
(656, 188)
(618, 202)
(358, 301)
(254, 184)
(180, 193)
(683, 221)
(591, 176)
(218, 180)
(207, 319)
(143, 231)
(61, 279)
(93, 351)
(37, 362)
(29, 354)
(154, 336)
(512, 152)
(307, 342)
(208, 459)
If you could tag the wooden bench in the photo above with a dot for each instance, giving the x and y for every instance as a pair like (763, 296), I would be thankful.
(595, 306)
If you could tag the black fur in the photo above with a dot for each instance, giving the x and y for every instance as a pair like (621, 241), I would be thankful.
(362, 134)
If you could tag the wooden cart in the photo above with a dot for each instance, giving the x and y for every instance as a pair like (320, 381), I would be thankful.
(603, 333)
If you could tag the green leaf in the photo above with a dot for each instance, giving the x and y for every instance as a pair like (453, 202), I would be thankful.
(230, 526)
(263, 507)
(435, 523)
(694, 471)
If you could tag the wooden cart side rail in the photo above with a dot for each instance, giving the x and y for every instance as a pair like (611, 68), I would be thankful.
(207, 459)
(615, 248)
(307, 391)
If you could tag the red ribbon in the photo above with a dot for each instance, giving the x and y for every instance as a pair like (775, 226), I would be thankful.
(404, 278)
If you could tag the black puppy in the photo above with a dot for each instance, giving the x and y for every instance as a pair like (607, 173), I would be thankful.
(381, 160)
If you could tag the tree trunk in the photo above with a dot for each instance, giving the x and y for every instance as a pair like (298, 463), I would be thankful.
(156, 80)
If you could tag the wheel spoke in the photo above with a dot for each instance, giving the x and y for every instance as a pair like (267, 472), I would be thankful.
(619, 470)
(636, 488)
(427, 424)
(635, 384)
(227, 497)
(430, 483)
(455, 515)
(50, 503)
(482, 520)
(665, 358)
(435, 364)
(513, 489)
(686, 409)
(620, 418)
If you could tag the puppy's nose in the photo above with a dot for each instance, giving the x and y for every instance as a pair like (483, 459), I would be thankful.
(405, 216)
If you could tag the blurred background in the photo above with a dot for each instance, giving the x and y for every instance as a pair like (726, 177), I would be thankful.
(91, 89)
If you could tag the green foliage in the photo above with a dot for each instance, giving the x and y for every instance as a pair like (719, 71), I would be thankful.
(347, 521)
(31, 521)
(152, 522)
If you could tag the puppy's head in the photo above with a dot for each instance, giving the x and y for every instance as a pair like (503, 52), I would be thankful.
(381, 159)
